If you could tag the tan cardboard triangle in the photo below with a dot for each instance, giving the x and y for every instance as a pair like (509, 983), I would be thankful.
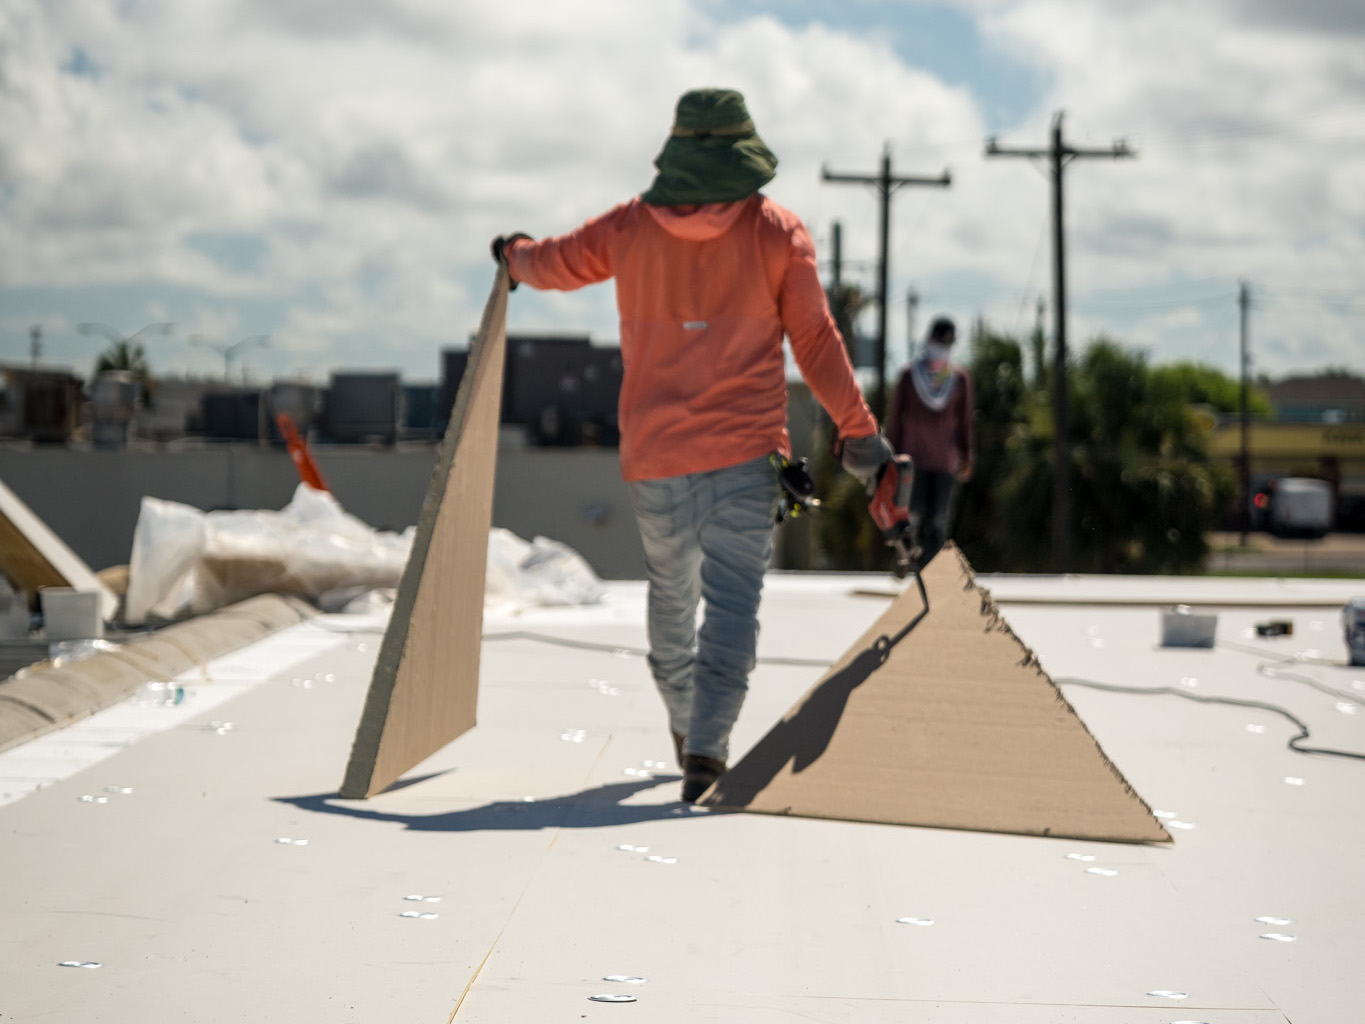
(424, 691)
(33, 557)
(954, 725)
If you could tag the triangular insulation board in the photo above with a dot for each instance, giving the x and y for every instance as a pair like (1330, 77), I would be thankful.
(424, 691)
(33, 557)
(956, 725)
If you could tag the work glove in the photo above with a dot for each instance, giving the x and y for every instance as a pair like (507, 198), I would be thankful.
(864, 457)
(501, 243)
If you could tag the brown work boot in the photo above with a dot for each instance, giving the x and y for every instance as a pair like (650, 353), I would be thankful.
(698, 774)
(678, 741)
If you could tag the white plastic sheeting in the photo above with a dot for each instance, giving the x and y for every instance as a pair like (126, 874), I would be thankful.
(187, 562)
(539, 572)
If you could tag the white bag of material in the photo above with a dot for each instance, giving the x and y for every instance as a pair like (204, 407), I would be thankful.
(542, 572)
(556, 574)
(167, 543)
(187, 562)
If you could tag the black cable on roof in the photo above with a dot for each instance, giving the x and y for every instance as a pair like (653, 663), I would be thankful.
(1295, 742)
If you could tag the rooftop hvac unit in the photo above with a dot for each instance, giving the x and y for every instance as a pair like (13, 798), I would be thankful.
(51, 406)
(363, 407)
(232, 415)
(113, 401)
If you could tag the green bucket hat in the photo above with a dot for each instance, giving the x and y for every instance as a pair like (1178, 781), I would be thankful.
(713, 155)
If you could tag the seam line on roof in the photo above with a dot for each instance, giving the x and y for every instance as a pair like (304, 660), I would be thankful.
(554, 838)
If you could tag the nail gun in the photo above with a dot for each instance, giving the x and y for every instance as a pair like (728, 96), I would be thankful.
(890, 509)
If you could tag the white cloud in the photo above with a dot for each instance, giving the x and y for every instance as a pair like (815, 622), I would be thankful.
(339, 167)
(1239, 123)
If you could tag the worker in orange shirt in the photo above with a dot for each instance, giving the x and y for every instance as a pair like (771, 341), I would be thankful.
(710, 276)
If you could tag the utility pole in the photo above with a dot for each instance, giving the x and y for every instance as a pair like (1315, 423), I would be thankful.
(911, 306)
(1059, 154)
(837, 242)
(1244, 463)
(886, 184)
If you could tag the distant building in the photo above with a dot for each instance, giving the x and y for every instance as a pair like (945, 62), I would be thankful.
(1329, 451)
(40, 404)
(363, 407)
(1326, 398)
(172, 409)
(1318, 431)
(562, 389)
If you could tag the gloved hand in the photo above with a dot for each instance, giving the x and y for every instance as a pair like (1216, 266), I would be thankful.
(864, 457)
(501, 243)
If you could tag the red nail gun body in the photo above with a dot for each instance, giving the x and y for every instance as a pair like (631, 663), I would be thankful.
(890, 509)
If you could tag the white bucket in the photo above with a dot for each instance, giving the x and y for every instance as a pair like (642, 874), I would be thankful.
(70, 614)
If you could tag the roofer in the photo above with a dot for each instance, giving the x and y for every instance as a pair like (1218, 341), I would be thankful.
(710, 275)
(931, 421)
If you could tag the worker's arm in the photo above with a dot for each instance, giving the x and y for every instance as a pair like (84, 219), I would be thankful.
(565, 262)
(816, 344)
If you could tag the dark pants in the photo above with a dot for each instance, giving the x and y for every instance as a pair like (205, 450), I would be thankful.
(931, 508)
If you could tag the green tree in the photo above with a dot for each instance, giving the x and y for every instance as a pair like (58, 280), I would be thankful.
(123, 355)
(1003, 400)
(1199, 384)
(1146, 494)
(130, 356)
(1144, 491)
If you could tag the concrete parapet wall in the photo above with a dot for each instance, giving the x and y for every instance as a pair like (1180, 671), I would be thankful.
(91, 498)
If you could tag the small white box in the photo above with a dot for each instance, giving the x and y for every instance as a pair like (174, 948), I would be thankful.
(1353, 622)
(1183, 627)
(70, 614)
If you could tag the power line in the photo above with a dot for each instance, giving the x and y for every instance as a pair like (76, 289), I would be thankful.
(1351, 295)
(1033, 265)
(1307, 299)
(1091, 300)
(1157, 285)
(1253, 130)
(1294, 743)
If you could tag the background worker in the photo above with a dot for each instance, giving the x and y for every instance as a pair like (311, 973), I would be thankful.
(931, 421)
(710, 275)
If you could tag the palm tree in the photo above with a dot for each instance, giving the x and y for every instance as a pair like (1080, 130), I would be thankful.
(125, 353)
(1146, 493)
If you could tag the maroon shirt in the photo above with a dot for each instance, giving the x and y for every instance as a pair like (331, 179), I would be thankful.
(939, 442)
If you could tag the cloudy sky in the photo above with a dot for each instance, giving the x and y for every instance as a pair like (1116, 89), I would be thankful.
(329, 172)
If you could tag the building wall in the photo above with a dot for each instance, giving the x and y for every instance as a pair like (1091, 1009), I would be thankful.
(91, 498)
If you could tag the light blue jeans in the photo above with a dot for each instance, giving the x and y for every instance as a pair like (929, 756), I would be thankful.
(707, 536)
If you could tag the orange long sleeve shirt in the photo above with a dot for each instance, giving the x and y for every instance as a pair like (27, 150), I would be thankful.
(705, 295)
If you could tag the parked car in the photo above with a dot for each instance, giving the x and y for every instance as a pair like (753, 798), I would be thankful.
(1294, 506)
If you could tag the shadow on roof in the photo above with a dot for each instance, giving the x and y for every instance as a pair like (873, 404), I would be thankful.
(598, 807)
